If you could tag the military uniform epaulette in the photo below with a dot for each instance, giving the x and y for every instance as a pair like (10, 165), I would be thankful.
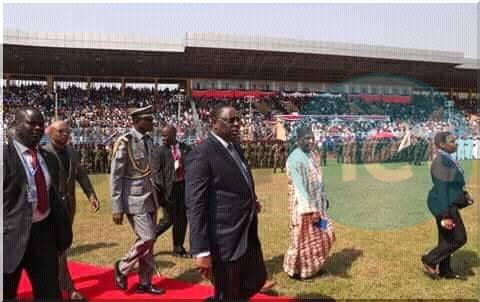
(125, 137)
(122, 138)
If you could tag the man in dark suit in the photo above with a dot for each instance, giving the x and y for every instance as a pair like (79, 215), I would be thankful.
(168, 172)
(69, 172)
(30, 203)
(444, 200)
(222, 211)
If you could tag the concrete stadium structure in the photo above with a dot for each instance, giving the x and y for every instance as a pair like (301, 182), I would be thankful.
(218, 61)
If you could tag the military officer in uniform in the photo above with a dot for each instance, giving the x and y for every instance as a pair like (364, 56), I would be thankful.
(270, 154)
(323, 153)
(339, 152)
(346, 153)
(261, 155)
(99, 159)
(248, 152)
(276, 156)
(364, 151)
(133, 196)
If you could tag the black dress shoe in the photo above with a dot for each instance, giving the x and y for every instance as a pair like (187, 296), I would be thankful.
(452, 275)
(298, 278)
(149, 289)
(181, 252)
(429, 270)
(120, 279)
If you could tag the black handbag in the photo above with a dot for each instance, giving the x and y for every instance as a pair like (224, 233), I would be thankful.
(462, 201)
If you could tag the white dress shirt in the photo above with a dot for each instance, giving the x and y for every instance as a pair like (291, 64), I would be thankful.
(26, 159)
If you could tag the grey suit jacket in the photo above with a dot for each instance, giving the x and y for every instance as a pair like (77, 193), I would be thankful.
(67, 180)
(131, 183)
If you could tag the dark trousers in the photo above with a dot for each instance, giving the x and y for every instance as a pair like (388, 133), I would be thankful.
(448, 242)
(40, 262)
(176, 215)
(240, 279)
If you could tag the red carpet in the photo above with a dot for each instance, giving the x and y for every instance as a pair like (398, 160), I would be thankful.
(96, 283)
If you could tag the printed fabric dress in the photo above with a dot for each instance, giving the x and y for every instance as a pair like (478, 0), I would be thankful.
(309, 244)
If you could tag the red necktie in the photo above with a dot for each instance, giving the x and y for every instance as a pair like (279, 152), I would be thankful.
(180, 173)
(40, 183)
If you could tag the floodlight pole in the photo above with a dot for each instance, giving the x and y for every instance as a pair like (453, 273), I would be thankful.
(56, 102)
(449, 110)
(250, 100)
(179, 98)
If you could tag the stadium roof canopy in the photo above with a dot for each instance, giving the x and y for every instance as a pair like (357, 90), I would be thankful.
(209, 55)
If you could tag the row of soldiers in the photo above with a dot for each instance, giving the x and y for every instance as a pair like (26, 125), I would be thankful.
(384, 150)
(266, 154)
(95, 158)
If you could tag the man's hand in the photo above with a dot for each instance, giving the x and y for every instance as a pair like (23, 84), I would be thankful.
(94, 204)
(468, 197)
(204, 266)
(447, 224)
(259, 207)
(117, 218)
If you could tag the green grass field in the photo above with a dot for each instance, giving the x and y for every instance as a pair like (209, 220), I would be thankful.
(381, 222)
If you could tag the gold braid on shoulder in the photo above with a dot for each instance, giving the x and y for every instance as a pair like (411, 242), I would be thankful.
(143, 172)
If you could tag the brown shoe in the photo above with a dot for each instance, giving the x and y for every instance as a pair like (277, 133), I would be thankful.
(268, 285)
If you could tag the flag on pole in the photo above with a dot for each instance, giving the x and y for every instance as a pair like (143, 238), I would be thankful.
(406, 141)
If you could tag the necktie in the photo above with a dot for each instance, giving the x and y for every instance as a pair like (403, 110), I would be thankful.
(40, 183)
(239, 163)
(179, 171)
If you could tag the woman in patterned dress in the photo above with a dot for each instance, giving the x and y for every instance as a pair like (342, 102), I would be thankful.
(311, 230)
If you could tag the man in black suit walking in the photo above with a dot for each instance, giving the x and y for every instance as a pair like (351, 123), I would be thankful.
(169, 177)
(222, 211)
(30, 210)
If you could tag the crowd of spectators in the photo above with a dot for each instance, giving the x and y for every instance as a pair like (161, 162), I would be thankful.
(98, 115)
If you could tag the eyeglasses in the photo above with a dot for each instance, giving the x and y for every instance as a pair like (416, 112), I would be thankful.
(231, 120)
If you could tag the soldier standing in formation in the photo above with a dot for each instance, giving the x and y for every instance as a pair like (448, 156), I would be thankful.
(260, 155)
(323, 153)
(364, 150)
(339, 152)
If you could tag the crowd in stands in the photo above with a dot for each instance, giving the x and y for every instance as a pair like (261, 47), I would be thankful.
(98, 115)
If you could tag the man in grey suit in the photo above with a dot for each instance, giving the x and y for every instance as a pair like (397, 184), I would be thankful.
(69, 172)
(133, 195)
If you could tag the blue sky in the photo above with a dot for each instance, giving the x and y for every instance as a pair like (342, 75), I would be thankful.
(450, 27)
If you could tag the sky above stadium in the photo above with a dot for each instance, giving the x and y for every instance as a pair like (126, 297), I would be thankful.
(447, 27)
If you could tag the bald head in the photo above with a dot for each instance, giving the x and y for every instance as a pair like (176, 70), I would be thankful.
(24, 113)
(59, 125)
(59, 133)
(169, 135)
